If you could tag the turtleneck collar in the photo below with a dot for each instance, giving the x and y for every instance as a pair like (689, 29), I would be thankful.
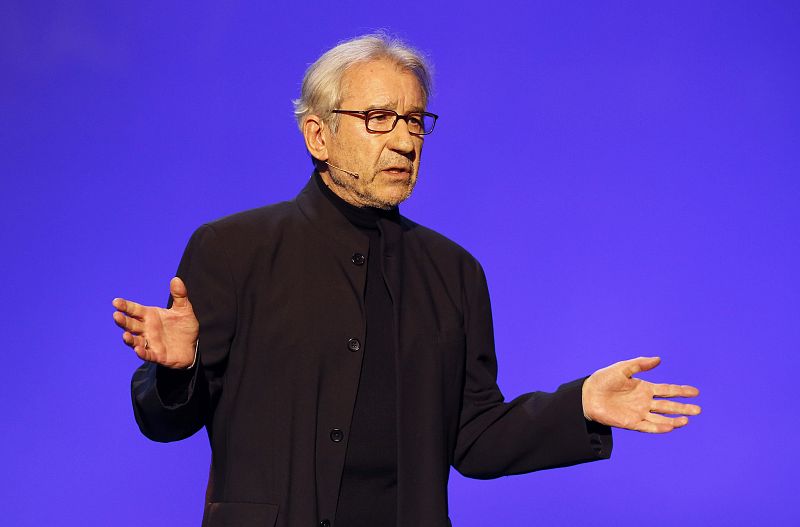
(365, 217)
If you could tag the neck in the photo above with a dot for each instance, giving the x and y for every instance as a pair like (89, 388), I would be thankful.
(340, 190)
(361, 214)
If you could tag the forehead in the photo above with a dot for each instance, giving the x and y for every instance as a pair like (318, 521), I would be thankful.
(381, 84)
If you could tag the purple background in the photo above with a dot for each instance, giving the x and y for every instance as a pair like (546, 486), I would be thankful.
(627, 172)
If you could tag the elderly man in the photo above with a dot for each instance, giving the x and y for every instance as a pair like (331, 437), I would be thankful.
(340, 356)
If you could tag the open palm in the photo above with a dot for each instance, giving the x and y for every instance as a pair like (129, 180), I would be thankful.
(163, 336)
(613, 397)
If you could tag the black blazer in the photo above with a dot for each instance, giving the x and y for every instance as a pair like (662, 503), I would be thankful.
(279, 296)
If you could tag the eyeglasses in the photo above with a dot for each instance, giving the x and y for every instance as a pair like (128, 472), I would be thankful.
(383, 121)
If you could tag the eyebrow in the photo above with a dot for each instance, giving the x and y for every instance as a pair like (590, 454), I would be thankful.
(392, 106)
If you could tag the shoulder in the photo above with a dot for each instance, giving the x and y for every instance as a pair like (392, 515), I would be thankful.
(243, 232)
(254, 224)
(258, 218)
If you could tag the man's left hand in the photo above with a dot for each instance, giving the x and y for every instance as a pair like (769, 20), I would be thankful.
(611, 396)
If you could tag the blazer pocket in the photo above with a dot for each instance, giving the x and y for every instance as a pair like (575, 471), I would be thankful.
(450, 336)
(232, 514)
(450, 346)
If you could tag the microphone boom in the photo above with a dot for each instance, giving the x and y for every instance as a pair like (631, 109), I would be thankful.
(354, 174)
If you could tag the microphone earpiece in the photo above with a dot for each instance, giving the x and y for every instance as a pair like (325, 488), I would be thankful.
(354, 174)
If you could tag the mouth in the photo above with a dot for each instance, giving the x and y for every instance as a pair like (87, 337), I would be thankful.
(397, 171)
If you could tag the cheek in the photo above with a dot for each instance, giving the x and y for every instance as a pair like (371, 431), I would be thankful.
(368, 152)
(419, 155)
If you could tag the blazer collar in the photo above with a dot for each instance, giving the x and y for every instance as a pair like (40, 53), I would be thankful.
(324, 216)
(334, 225)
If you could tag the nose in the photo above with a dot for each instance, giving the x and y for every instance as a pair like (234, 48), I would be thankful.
(400, 140)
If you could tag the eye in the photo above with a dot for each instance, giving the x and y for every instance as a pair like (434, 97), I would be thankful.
(415, 120)
(380, 116)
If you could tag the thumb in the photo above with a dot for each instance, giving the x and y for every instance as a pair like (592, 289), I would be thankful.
(180, 296)
(639, 364)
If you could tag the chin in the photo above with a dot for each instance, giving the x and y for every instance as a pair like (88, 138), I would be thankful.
(393, 197)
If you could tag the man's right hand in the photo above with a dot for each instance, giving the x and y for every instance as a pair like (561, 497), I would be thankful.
(164, 336)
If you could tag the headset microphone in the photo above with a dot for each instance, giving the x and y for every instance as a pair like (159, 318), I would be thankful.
(354, 174)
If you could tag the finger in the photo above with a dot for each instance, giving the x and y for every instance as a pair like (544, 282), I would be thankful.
(140, 350)
(142, 347)
(128, 323)
(130, 308)
(180, 295)
(133, 340)
(139, 344)
(675, 390)
(674, 422)
(661, 406)
(652, 428)
(639, 364)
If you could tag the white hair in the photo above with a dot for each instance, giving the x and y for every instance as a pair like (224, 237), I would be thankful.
(322, 83)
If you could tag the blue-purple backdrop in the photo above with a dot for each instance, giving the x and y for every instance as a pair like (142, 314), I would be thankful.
(627, 172)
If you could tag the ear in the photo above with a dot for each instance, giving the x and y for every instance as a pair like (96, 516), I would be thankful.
(313, 128)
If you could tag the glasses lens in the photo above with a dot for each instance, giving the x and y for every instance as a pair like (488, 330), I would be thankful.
(380, 120)
(421, 123)
(416, 123)
(428, 121)
(385, 120)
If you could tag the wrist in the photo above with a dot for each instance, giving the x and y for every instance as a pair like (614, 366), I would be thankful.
(586, 398)
(194, 358)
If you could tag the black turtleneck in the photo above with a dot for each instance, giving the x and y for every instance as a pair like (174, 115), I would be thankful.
(368, 494)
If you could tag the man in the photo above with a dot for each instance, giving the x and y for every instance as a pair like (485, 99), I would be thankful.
(340, 356)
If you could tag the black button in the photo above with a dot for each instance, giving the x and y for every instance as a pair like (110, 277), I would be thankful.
(359, 259)
(336, 435)
(325, 523)
(353, 345)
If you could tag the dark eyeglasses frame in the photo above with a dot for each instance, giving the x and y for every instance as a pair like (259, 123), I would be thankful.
(365, 114)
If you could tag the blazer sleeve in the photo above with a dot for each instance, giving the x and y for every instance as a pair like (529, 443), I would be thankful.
(534, 431)
(168, 404)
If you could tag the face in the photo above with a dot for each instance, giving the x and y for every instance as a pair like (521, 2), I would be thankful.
(387, 164)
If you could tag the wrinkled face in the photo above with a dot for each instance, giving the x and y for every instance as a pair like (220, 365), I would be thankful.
(386, 163)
